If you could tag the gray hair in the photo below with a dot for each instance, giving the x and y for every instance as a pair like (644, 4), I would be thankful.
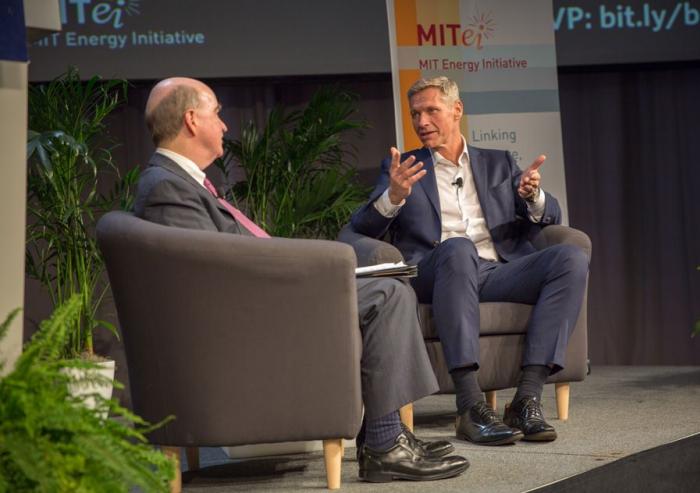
(165, 120)
(448, 88)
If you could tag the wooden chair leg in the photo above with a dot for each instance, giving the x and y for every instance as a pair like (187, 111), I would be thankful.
(562, 391)
(406, 413)
(332, 454)
(174, 454)
(192, 454)
(491, 399)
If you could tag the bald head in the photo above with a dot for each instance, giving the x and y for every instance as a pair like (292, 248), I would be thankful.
(167, 103)
(183, 116)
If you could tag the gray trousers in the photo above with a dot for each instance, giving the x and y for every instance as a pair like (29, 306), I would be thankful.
(395, 366)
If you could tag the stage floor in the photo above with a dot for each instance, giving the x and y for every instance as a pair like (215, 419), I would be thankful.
(616, 413)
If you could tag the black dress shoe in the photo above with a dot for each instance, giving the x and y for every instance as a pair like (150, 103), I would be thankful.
(438, 448)
(405, 461)
(434, 450)
(526, 415)
(480, 424)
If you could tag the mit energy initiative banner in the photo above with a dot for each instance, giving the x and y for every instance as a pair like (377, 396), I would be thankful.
(502, 55)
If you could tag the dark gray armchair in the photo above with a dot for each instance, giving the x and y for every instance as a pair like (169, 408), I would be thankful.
(502, 325)
(243, 340)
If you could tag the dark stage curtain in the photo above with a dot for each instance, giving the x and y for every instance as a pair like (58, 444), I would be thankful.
(633, 182)
(246, 100)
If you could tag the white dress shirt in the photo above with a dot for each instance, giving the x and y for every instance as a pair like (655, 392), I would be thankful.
(185, 163)
(460, 211)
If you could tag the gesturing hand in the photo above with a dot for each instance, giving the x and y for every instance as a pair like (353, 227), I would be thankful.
(529, 188)
(402, 176)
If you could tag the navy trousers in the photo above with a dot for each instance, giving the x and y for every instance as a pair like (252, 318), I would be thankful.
(454, 280)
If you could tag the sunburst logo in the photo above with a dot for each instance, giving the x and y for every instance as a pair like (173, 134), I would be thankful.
(483, 24)
(131, 7)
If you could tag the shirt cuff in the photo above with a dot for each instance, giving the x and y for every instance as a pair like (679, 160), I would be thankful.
(536, 209)
(387, 209)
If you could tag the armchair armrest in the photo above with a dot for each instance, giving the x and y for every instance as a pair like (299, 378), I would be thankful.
(557, 234)
(369, 251)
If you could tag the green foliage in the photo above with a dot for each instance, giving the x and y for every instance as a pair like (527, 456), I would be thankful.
(68, 156)
(298, 182)
(50, 442)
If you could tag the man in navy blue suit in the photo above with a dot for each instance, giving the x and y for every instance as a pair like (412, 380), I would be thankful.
(464, 216)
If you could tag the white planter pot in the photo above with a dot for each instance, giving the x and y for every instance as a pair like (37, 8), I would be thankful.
(82, 388)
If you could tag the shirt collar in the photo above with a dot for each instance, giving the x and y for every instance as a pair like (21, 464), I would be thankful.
(438, 159)
(186, 164)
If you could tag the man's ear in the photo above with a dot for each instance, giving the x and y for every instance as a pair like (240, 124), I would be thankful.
(189, 122)
(458, 109)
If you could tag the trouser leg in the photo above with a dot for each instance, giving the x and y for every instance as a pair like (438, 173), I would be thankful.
(395, 365)
(448, 278)
(553, 280)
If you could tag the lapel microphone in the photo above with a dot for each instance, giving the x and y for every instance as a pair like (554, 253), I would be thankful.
(458, 182)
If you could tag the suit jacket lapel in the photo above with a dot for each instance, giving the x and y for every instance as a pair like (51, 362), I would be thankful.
(480, 174)
(429, 182)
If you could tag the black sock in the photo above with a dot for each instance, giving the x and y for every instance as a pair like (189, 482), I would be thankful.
(466, 387)
(531, 381)
(381, 433)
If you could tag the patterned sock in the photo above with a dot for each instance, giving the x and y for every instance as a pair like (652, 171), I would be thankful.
(380, 433)
(531, 381)
(467, 388)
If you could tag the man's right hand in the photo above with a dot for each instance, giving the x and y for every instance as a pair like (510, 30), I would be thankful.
(402, 176)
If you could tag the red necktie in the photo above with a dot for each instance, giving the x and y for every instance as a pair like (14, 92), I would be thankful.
(237, 215)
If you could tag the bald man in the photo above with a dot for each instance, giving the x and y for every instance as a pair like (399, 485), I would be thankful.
(183, 117)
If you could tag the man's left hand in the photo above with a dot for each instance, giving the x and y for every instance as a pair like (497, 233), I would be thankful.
(529, 187)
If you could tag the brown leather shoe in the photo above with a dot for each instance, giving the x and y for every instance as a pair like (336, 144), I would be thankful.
(481, 425)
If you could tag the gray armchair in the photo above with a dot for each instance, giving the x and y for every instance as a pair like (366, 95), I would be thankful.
(502, 325)
(244, 341)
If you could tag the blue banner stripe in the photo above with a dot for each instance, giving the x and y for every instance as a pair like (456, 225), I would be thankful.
(482, 103)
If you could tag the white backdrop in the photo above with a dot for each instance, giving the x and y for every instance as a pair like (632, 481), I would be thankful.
(502, 56)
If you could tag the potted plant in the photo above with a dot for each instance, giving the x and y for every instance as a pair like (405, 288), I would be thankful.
(298, 182)
(68, 155)
(50, 442)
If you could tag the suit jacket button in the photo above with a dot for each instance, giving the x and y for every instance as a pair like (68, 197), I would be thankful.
(436, 243)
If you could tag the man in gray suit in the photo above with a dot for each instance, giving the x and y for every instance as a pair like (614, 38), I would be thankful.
(183, 117)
